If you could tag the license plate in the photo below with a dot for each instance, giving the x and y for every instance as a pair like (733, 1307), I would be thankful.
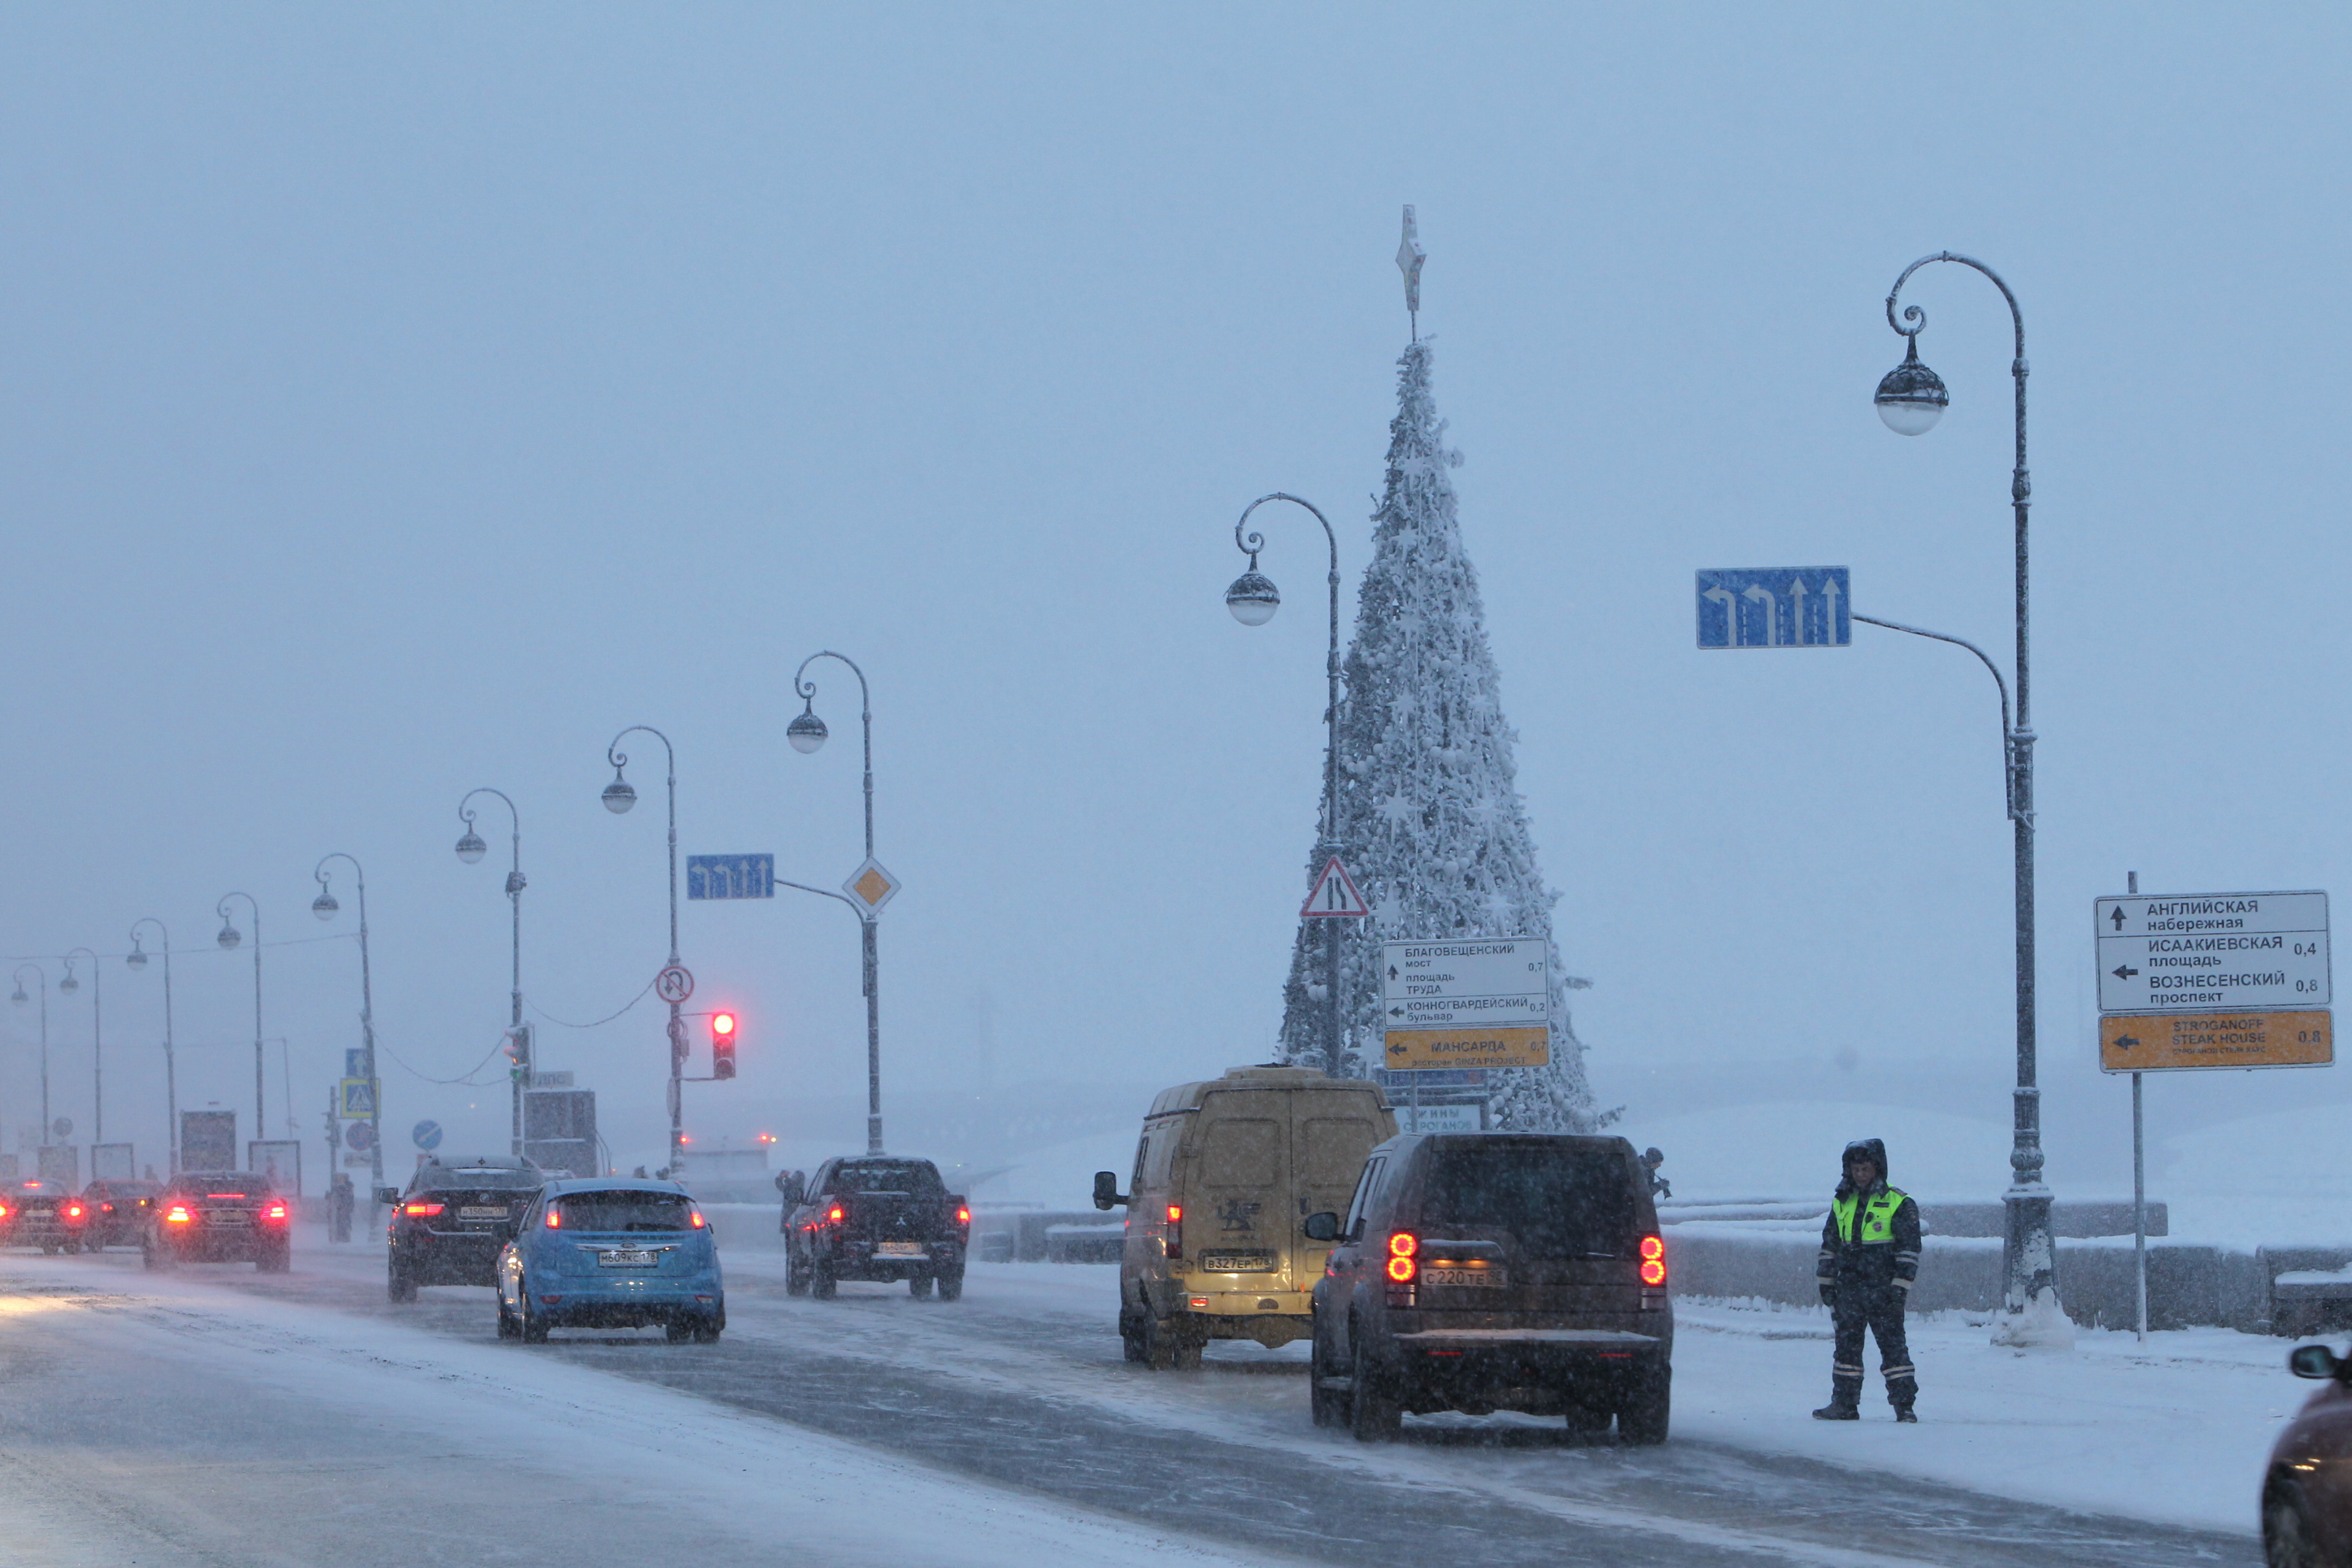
(1237, 1262)
(1489, 1278)
(229, 1217)
(625, 1260)
(482, 1214)
(900, 1249)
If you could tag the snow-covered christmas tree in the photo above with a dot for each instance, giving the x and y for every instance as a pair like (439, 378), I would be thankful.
(1430, 819)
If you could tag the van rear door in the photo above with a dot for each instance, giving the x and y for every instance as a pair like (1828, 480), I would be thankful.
(1334, 1136)
(1238, 1217)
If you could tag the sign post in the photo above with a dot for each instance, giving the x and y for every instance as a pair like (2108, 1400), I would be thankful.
(2206, 981)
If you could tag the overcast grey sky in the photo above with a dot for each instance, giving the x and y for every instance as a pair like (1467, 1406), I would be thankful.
(398, 401)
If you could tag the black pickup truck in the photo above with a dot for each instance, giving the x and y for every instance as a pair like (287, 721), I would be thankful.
(874, 1217)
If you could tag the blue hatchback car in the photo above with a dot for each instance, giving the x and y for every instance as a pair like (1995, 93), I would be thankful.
(596, 1253)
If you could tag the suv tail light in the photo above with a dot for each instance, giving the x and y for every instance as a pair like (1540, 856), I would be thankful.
(834, 1215)
(963, 1214)
(73, 1211)
(1404, 1248)
(178, 1214)
(424, 1210)
(4, 1211)
(1654, 1260)
(1175, 1230)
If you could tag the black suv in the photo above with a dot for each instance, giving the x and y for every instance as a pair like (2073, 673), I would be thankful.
(874, 1217)
(447, 1227)
(1483, 1272)
(219, 1216)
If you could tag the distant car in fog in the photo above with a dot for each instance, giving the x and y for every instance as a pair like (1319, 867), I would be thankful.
(883, 1217)
(35, 1211)
(605, 1253)
(220, 1216)
(115, 1213)
(447, 1227)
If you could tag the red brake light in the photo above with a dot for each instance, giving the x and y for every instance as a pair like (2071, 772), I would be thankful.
(1654, 1260)
(277, 1210)
(694, 1219)
(963, 1214)
(224, 1194)
(426, 1210)
(4, 1211)
(73, 1211)
(179, 1214)
(1175, 1237)
(834, 1213)
(554, 1220)
(1403, 1246)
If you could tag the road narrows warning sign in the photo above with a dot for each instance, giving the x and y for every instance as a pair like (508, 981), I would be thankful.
(1335, 896)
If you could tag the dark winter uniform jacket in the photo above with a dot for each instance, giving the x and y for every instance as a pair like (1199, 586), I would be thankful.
(1871, 1238)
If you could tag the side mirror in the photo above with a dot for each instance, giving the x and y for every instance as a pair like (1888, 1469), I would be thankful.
(1322, 1227)
(1107, 1190)
(388, 1195)
(788, 1185)
(2314, 1361)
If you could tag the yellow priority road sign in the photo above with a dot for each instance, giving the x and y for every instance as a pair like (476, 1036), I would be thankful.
(2153, 1043)
(1469, 1046)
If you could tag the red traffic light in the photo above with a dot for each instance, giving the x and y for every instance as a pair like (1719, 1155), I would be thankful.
(723, 1026)
(722, 1044)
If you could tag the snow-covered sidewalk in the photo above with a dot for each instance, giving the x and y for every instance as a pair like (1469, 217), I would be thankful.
(2175, 1430)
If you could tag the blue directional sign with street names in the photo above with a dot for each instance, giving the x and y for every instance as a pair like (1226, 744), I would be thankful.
(731, 876)
(1775, 606)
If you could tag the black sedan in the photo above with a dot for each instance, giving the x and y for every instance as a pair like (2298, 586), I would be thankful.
(38, 1211)
(116, 1213)
(220, 1216)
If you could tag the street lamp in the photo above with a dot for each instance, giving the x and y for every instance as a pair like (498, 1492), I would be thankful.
(325, 907)
(470, 848)
(807, 733)
(1910, 399)
(228, 936)
(137, 959)
(618, 797)
(1253, 600)
(42, 977)
(97, 1041)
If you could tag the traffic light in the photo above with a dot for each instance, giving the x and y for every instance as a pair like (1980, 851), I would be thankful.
(722, 1044)
(518, 1049)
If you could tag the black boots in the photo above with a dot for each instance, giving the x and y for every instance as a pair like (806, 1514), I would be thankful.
(1838, 1409)
(1904, 1413)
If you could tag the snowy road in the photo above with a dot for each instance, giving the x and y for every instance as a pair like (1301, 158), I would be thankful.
(303, 1418)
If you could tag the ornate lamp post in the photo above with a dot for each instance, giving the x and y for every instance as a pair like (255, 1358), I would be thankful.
(1910, 399)
(68, 985)
(619, 797)
(228, 936)
(1253, 600)
(807, 732)
(470, 848)
(41, 976)
(137, 959)
(325, 907)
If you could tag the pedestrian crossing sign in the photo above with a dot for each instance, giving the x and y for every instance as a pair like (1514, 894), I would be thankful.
(359, 1098)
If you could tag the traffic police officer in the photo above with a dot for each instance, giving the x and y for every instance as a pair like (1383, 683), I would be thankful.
(1870, 1255)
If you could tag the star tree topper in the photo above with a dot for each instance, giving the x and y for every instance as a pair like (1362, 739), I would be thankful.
(1410, 255)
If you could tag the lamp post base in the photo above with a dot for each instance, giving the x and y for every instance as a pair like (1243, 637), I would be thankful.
(2032, 1317)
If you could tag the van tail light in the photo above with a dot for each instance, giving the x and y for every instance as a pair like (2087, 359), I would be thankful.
(1404, 1250)
(275, 1211)
(1175, 1230)
(834, 1215)
(179, 1214)
(424, 1210)
(1654, 1260)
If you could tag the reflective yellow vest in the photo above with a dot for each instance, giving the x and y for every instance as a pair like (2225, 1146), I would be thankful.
(1877, 1216)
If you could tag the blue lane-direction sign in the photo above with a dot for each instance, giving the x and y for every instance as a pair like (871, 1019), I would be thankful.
(731, 876)
(1775, 606)
(426, 1135)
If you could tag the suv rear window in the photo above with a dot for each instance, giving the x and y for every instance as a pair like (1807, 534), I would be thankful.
(624, 1211)
(1555, 1202)
(917, 1178)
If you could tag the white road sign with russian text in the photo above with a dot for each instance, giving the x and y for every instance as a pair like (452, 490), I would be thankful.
(2213, 952)
(1478, 982)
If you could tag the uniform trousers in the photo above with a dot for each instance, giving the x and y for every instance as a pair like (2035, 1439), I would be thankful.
(1879, 1309)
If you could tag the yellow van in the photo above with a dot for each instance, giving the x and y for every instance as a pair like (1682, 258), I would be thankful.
(1224, 1174)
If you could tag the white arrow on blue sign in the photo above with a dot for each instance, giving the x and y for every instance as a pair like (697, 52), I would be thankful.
(1775, 606)
(731, 876)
